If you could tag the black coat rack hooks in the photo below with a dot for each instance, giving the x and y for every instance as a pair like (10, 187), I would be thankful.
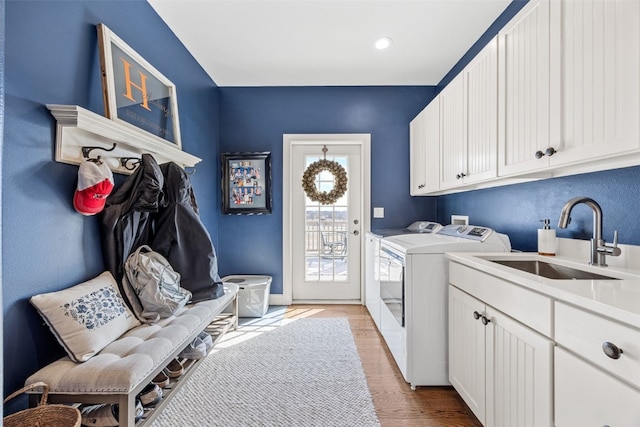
(86, 151)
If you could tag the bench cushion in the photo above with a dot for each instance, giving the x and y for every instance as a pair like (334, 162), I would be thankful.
(125, 362)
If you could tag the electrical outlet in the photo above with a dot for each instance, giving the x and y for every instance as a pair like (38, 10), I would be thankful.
(460, 219)
(378, 212)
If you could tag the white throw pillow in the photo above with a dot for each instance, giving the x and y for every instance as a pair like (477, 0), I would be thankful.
(86, 317)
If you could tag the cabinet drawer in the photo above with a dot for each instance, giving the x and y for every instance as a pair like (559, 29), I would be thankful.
(587, 396)
(584, 333)
(528, 307)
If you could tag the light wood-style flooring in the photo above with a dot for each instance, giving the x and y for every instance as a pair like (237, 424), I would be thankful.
(396, 404)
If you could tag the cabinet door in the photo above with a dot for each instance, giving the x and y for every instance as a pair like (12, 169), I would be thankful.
(519, 374)
(601, 79)
(528, 118)
(586, 396)
(432, 145)
(453, 133)
(481, 77)
(425, 150)
(417, 151)
(467, 350)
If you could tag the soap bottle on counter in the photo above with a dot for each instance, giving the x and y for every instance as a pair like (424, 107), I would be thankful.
(546, 239)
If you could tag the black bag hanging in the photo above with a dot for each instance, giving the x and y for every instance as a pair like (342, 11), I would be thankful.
(181, 237)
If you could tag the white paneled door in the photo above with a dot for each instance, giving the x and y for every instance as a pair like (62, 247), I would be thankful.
(326, 239)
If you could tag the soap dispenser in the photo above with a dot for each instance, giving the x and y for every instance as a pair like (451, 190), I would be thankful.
(546, 239)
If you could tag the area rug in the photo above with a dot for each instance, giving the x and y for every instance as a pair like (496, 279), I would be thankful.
(304, 373)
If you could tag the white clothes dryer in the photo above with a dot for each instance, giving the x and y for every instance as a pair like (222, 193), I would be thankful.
(414, 276)
(372, 261)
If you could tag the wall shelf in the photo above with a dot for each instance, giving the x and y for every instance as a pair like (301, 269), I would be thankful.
(78, 127)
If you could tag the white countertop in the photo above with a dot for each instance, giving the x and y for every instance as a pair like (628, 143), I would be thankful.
(617, 299)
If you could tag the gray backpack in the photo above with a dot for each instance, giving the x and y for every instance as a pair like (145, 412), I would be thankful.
(152, 286)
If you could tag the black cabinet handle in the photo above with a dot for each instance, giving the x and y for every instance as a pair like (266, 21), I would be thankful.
(548, 152)
(485, 320)
(611, 350)
(476, 315)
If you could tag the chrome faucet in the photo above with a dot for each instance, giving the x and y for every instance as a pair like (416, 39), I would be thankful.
(599, 248)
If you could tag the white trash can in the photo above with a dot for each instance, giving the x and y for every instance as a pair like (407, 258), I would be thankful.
(253, 294)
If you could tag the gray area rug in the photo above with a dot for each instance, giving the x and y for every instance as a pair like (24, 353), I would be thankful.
(304, 373)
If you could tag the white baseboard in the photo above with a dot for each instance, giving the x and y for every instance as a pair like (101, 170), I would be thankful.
(278, 299)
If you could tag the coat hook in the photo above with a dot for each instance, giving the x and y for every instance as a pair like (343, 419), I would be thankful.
(87, 150)
(190, 170)
(129, 163)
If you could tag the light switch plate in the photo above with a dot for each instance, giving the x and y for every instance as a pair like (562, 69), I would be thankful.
(378, 212)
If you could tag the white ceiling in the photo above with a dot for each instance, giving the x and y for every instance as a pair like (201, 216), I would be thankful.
(327, 42)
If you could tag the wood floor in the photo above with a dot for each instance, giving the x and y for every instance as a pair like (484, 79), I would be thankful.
(396, 404)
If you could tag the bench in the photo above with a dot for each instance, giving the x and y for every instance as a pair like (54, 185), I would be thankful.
(124, 367)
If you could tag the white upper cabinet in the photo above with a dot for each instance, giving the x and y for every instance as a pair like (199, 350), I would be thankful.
(453, 133)
(556, 93)
(529, 84)
(600, 79)
(432, 143)
(469, 107)
(417, 179)
(425, 150)
(481, 79)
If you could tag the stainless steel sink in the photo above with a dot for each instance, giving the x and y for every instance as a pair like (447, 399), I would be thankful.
(552, 271)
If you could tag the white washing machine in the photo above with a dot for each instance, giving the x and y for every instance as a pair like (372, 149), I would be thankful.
(372, 261)
(414, 277)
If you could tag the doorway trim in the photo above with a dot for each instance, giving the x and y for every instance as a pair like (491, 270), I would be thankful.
(363, 140)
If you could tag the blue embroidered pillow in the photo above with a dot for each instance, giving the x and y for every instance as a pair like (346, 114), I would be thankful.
(86, 317)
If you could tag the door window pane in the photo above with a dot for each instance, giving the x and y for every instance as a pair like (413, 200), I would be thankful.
(326, 231)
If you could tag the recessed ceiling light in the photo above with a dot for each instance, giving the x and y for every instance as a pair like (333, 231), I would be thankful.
(383, 43)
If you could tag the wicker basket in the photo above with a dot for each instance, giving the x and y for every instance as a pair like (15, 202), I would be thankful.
(42, 415)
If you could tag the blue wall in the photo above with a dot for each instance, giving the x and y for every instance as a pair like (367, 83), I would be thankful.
(254, 119)
(517, 209)
(1, 150)
(52, 57)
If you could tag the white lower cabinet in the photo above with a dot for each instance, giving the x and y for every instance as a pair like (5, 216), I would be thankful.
(587, 396)
(597, 369)
(501, 368)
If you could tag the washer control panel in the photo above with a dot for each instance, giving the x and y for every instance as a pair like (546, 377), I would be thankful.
(472, 232)
(424, 227)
